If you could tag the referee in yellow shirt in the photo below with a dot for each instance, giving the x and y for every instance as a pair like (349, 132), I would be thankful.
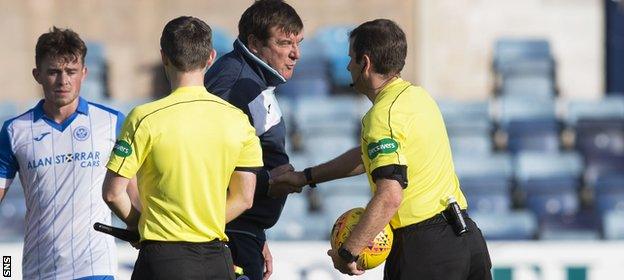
(406, 154)
(194, 156)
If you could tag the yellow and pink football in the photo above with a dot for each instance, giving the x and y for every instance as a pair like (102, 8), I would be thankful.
(375, 253)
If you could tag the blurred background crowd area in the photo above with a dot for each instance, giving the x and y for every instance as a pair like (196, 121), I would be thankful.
(531, 93)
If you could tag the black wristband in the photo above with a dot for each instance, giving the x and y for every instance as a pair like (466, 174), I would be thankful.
(308, 175)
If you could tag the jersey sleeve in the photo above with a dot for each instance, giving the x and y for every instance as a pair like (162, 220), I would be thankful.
(120, 121)
(384, 139)
(251, 152)
(132, 146)
(8, 161)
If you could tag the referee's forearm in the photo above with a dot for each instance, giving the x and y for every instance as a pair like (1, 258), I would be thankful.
(116, 197)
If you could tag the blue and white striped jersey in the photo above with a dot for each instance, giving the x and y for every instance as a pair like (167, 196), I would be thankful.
(61, 168)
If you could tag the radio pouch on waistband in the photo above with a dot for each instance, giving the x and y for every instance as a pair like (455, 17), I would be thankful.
(454, 217)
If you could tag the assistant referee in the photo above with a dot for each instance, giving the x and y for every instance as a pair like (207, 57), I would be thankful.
(195, 157)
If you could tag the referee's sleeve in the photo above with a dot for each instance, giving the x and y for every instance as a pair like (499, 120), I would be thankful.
(132, 146)
(385, 140)
(251, 151)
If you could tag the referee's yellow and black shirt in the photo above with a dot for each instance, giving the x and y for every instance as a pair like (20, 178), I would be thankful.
(183, 149)
(405, 127)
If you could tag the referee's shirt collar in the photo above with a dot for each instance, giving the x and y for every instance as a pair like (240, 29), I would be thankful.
(390, 87)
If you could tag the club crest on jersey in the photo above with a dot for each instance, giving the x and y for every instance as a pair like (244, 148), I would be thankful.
(384, 146)
(81, 133)
(122, 148)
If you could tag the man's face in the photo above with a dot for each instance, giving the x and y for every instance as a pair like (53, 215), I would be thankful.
(356, 69)
(280, 51)
(60, 79)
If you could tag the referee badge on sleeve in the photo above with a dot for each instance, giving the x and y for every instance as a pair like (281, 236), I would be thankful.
(383, 146)
(122, 148)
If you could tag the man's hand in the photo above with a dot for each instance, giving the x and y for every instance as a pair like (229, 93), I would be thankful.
(268, 261)
(277, 190)
(136, 245)
(345, 268)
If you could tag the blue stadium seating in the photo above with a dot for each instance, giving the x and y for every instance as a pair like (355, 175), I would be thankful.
(322, 115)
(513, 53)
(486, 181)
(613, 225)
(335, 43)
(222, 42)
(516, 225)
(533, 135)
(305, 88)
(608, 107)
(534, 86)
(12, 213)
(578, 226)
(609, 193)
(550, 181)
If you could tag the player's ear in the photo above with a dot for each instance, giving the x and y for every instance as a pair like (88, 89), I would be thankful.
(164, 58)
(36, 74)
(211, 58)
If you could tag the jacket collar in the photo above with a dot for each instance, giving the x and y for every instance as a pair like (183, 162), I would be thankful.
(266, 72)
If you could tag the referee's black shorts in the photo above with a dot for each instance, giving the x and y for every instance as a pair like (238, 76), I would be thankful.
(431, 250)
(183, 260)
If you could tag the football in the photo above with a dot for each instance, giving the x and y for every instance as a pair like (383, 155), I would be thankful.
(375, 253)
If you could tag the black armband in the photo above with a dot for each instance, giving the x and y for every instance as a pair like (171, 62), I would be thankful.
(391, 172)
(253, 170)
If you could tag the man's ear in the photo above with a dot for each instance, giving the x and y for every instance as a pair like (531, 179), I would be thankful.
(253, 44)
(35, 73)
(367, 63)
(211, 58)
(164, 58)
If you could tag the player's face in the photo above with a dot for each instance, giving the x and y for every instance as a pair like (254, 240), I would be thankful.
(60, 79)
(281, 51)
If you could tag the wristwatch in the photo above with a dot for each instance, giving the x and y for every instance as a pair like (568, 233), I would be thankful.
(308, 176)
(346, 255)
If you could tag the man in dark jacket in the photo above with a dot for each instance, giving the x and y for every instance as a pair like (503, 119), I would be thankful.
(264, 56)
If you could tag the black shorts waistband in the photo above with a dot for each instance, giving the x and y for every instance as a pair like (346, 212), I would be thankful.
(437, 219)
(212, 242)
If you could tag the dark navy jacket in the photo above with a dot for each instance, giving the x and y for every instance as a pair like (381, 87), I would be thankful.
(248, 83)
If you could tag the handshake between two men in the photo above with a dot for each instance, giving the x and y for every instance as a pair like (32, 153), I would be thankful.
(284, 180)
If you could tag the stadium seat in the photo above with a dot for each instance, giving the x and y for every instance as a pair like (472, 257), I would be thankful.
(514, 108)
(335, 205)
(328, 115)
(468, 126)
(222, 42)
(579, 226)
(530, 85)
(613, 225)
(608, 107)
(321, 148)
(513, 56)
(550, 181)
(95, 87)
(355, 185)
(335, 42)
(12, 214)
(533, 135)
(516, 225)
(304, 87)
(595, 137)
(609, 193)
(485, 181)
